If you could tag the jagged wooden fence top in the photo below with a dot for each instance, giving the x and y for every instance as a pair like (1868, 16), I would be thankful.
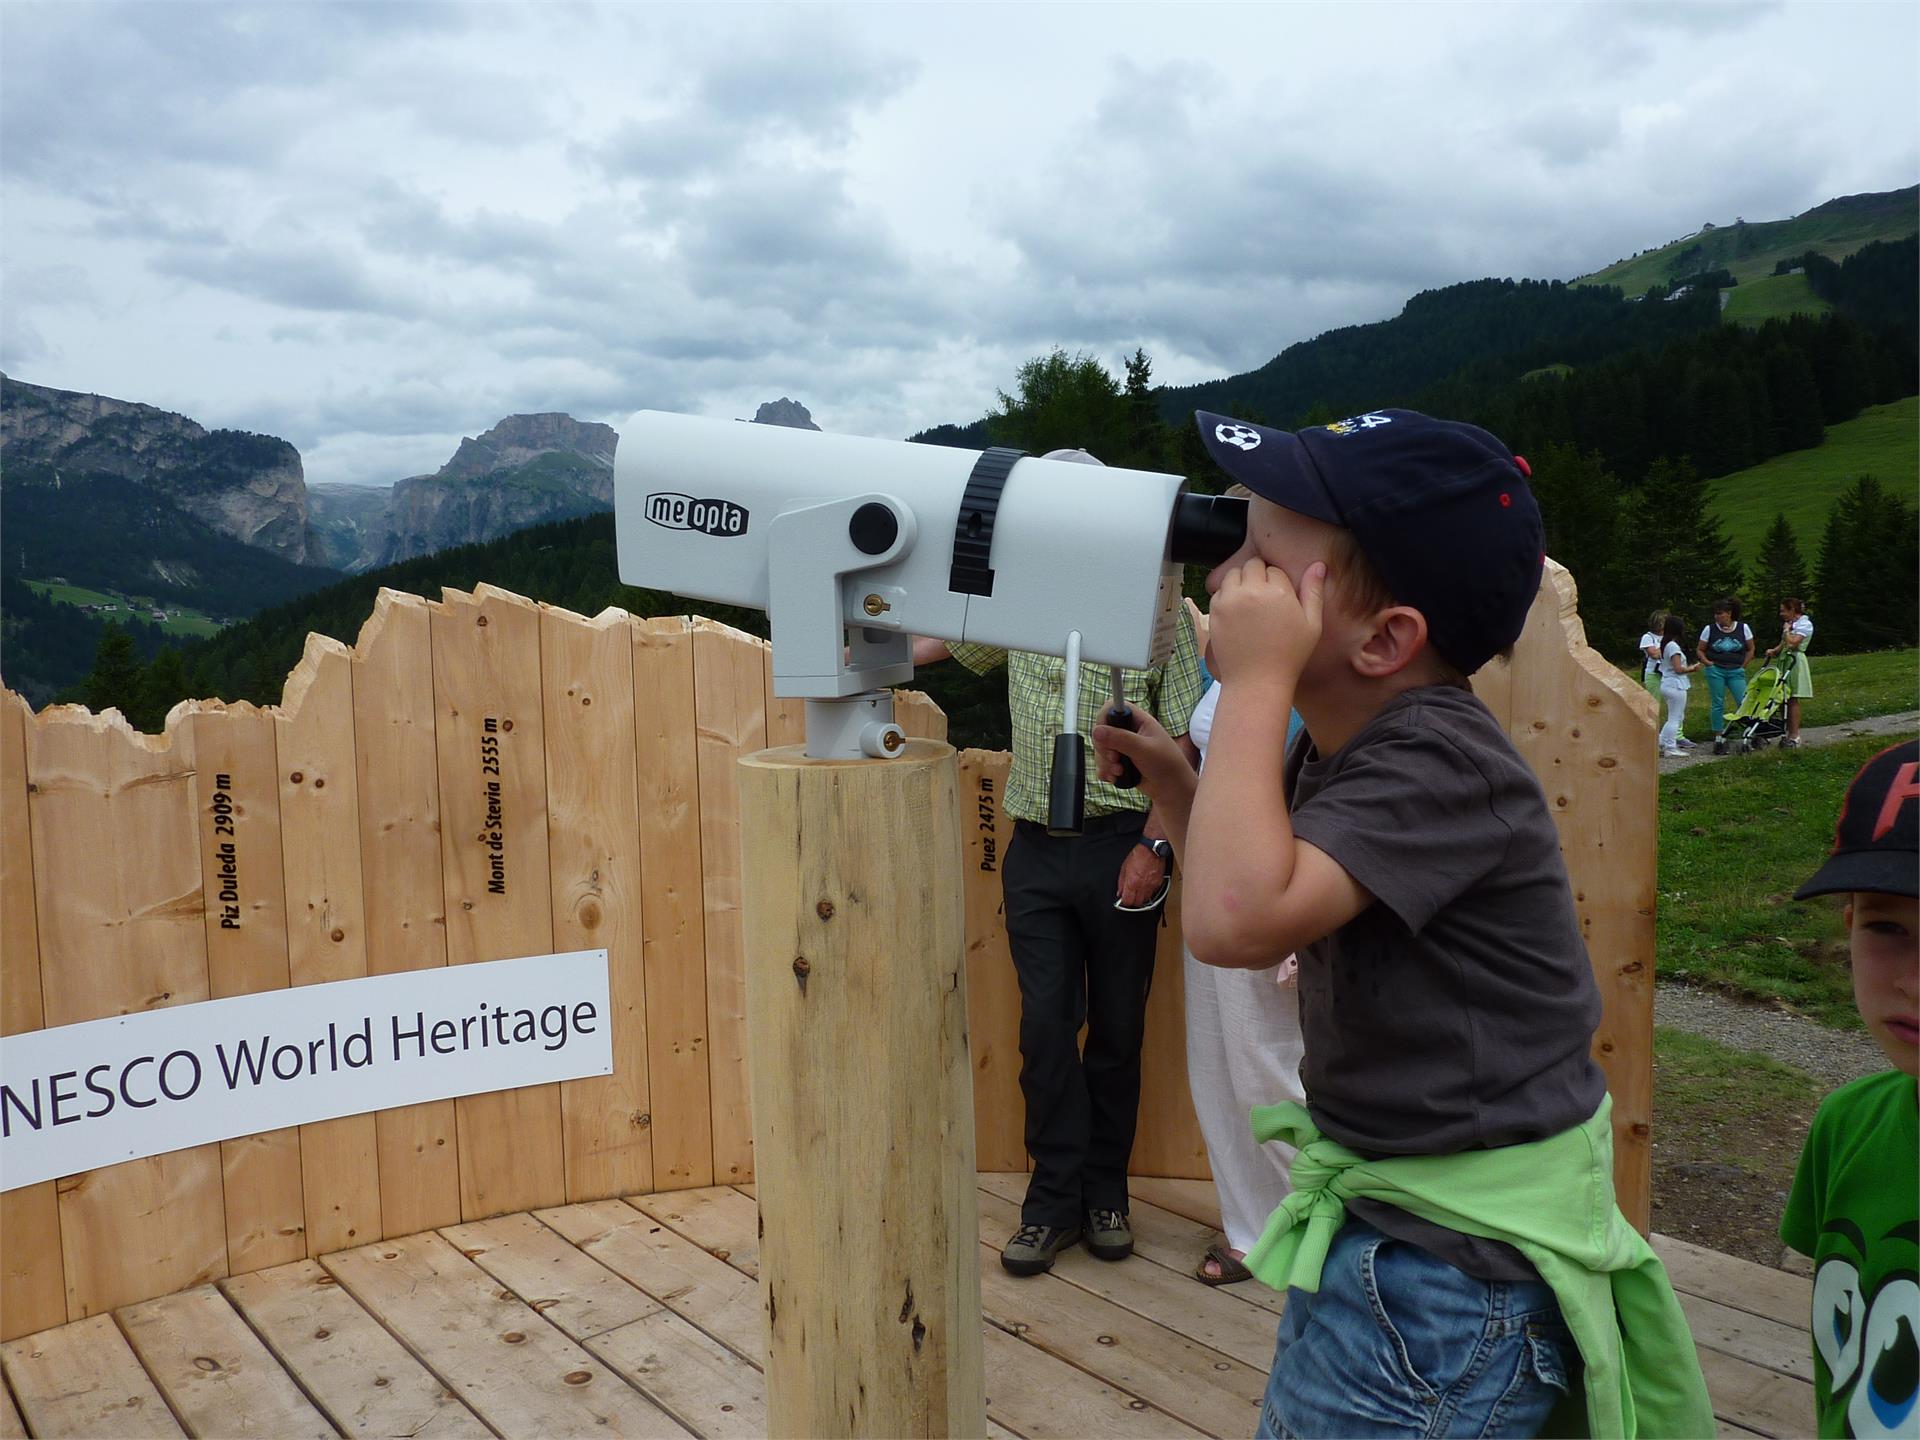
(338, 834)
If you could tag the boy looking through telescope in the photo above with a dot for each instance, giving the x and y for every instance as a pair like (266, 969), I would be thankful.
(1454, 1258)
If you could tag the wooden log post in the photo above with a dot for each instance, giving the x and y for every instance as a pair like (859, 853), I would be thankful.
(862, 1093)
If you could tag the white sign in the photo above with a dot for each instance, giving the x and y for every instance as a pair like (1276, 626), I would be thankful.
(81, 1096)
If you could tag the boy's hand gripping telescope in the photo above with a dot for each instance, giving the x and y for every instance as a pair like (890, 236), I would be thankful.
(853, 546)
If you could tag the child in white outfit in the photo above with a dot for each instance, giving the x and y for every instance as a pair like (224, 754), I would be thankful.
(1674, 668)
(1243, 1049)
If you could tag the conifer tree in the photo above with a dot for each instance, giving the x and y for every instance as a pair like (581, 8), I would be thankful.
(115, 682)
(1685, 560)
(1867, 561)
(1779, 572)
(161, 688)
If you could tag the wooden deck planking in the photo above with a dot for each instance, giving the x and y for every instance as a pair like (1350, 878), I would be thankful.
(365, 1381)
(690, 1282)
(689, 1374)
(644, 1316)
(1757, 1289)
(215, 1374)
(83, 1379)
(518, 1373)
(12, 1427)
(1029, 1392)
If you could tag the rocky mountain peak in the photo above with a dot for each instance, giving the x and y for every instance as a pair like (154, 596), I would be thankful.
(520, 438)
(790, 413)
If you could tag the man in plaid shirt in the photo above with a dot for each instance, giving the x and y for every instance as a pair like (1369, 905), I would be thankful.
(1082, 944)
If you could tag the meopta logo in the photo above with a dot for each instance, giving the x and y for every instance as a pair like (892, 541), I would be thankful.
(682, 512)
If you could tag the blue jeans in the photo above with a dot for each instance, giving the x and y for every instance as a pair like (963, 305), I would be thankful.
(1721, 679)
(1397, 1342)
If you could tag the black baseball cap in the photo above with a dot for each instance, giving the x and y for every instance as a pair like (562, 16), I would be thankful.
(1876, 844)
(1440, 508)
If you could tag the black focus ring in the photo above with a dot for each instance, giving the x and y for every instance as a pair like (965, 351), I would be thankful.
(973, 532)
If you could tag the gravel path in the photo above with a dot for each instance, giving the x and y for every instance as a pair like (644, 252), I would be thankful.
(1905, 723)
(1832, 1057)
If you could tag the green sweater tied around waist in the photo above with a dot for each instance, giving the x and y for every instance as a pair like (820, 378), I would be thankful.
(1552, 1200)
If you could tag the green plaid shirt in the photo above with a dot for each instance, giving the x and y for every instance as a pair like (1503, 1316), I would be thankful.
(1036, 693)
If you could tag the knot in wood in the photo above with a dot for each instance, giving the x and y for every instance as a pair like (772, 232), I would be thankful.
(338, 936)
(322, 1333)
(824, 909)
(506, 724)
(319, 782)
(481, 621)
(802, 966)
(296, 777)
(578, 1377)
(514, 1337)
(206, 1363)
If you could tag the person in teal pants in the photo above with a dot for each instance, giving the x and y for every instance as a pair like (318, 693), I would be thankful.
(1726, 649)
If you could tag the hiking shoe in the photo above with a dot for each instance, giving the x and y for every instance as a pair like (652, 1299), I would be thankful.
(1674, 752)
(1684, 743)
(1033, 1247)
(1719, 744)
(1789, 744)
(1109, 1235)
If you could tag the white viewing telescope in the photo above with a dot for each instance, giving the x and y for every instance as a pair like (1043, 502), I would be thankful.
(853, 546)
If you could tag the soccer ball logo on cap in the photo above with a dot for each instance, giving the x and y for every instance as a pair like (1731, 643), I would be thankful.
(1243, 436)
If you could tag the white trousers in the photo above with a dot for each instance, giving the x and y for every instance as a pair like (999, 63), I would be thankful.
(1243, 1049)
(1674, 692)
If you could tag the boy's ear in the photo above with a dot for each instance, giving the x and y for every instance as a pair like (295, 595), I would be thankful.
(1396, 637)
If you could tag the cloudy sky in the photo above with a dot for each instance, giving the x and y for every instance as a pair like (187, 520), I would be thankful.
(374, 228)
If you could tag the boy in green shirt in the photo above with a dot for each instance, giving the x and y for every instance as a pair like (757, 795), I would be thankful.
(1854, 1207)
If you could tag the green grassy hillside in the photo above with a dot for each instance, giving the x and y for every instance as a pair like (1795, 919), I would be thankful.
(1836, 229)
(1772, 297)
(1883, 441)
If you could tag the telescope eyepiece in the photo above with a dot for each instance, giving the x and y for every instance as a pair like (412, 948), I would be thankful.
(1206, 529)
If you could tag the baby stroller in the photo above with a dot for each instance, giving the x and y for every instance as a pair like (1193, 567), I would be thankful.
(1760, 719)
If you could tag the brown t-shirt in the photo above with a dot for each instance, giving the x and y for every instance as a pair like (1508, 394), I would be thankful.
(1456, 1013)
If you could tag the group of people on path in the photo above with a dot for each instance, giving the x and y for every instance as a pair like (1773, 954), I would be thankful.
(1724, 649)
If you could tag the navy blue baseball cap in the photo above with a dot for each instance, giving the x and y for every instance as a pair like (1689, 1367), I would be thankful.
(1876, 842)
(1440, 508)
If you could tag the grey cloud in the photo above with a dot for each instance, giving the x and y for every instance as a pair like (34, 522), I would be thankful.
(1567, 135)
(306, 275)
(801, 80)
(667, 148)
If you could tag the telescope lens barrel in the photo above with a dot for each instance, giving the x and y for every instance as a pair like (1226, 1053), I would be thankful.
(1206, 529)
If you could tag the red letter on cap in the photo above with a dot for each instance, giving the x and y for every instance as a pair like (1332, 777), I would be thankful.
(1904, 788)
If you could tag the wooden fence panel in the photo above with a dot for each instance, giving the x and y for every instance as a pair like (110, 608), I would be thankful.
(593, 819)
(33, 1291)
(326, 919)
(786, 716)
(993, 998)
(237, 795)
(399, 797)
(730, 703)
(117, 938)
(1169, 1142)
(1587, 730)
(673, 914)
(490, 738)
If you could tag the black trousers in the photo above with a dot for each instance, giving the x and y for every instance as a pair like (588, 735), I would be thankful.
(1079, 961)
